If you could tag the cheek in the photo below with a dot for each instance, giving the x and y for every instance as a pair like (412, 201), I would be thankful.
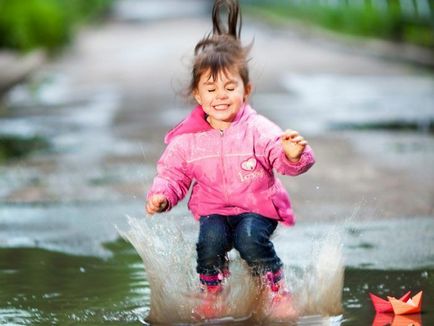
(238, 97)
(202, 98)
(206, 97)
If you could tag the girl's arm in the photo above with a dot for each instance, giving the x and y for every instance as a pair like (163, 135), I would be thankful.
(286, 152)
(172, 180)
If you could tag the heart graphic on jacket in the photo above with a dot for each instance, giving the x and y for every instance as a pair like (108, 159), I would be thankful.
(249, 165)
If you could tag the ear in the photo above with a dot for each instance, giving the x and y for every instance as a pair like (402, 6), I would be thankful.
(197, 97)
(247, 91)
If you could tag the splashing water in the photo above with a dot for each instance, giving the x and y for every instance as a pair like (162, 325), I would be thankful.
(167, 248)
(319, 291)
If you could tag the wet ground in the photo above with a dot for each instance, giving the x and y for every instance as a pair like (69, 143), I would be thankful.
(106, 104)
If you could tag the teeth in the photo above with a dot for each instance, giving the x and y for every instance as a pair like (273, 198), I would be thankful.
(221, 107)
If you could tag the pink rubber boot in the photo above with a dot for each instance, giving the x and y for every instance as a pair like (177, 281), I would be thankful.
(210, 307)
(278, 301)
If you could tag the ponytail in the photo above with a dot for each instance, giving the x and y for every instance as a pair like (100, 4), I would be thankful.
(221, 50)
(233, 29)
(234, 14)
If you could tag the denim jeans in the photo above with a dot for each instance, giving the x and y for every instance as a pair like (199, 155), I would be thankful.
(248, 233)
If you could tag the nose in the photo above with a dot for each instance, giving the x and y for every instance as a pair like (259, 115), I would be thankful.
(222, 94)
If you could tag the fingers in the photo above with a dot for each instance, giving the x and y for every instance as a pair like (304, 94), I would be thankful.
(294, 137)
(289, 134)
(156, 204)
(157, 200)
(300, 141)
(150, 208)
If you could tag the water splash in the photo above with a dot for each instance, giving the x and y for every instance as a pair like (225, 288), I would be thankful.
(167, 248)
(320, 289)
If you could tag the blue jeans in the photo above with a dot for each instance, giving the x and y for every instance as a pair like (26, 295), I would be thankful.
(248, 233)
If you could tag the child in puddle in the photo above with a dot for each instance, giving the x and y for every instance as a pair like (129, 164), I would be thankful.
(228, 153)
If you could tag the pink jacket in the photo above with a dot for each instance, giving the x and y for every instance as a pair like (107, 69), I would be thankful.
(231, 171)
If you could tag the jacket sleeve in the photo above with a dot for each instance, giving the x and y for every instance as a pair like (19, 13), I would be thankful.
(286, 167)
(269, 144)
(172, 179)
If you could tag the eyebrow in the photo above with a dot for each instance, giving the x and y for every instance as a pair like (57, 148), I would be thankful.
(211, 83)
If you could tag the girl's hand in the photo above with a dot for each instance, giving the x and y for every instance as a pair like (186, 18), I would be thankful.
(293, 144)
(156, 204)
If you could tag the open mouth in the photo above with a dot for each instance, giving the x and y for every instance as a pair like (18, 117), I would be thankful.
(221, 107)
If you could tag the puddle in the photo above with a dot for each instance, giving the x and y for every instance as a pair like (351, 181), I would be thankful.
(338, 101)
(424, 126)
(49, 282)
(51, 288)
(77, 228)
(77, 120)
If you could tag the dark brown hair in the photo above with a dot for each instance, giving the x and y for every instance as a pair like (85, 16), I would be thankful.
(221, 51)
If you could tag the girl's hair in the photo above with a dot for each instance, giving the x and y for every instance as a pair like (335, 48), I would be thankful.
(221, 51)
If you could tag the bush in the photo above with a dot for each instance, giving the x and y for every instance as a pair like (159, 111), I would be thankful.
(363, 19)
(49, 24)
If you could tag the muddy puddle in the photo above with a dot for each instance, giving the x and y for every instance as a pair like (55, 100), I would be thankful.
(51, 279)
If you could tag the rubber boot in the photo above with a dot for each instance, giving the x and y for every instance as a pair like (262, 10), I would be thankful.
(210, 305)
(278, 301)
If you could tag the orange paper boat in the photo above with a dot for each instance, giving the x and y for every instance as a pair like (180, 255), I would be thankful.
(411, 306)
(384, 306)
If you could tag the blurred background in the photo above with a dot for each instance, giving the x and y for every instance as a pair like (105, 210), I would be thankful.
(88, 89)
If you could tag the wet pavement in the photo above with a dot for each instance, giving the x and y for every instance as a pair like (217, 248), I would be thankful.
(104, 108)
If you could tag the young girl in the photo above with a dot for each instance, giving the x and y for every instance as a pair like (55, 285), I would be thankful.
(228, 153)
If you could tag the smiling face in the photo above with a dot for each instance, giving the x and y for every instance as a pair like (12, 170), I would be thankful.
(221, 98)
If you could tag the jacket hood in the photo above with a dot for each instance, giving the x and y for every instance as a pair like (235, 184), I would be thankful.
(196, 122)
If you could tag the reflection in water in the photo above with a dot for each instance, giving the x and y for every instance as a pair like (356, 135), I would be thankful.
(397, 320)
(169, 258)
(41, 287)
(47, 287)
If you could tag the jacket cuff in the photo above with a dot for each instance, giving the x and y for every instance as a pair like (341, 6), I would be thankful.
(287, 224)
(304, 159)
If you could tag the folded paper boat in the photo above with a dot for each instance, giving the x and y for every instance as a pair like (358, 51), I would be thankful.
(410, 306)
(383, 306)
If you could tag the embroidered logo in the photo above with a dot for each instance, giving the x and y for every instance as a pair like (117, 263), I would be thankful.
(249, 164)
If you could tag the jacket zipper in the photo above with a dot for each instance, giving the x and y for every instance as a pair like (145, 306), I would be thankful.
(223, 166)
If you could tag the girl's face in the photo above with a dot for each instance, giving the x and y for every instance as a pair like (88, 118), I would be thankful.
(221, 99)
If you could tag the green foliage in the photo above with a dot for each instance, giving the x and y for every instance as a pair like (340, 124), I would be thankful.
(365, 19)
(14, 147)
(29, 24)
